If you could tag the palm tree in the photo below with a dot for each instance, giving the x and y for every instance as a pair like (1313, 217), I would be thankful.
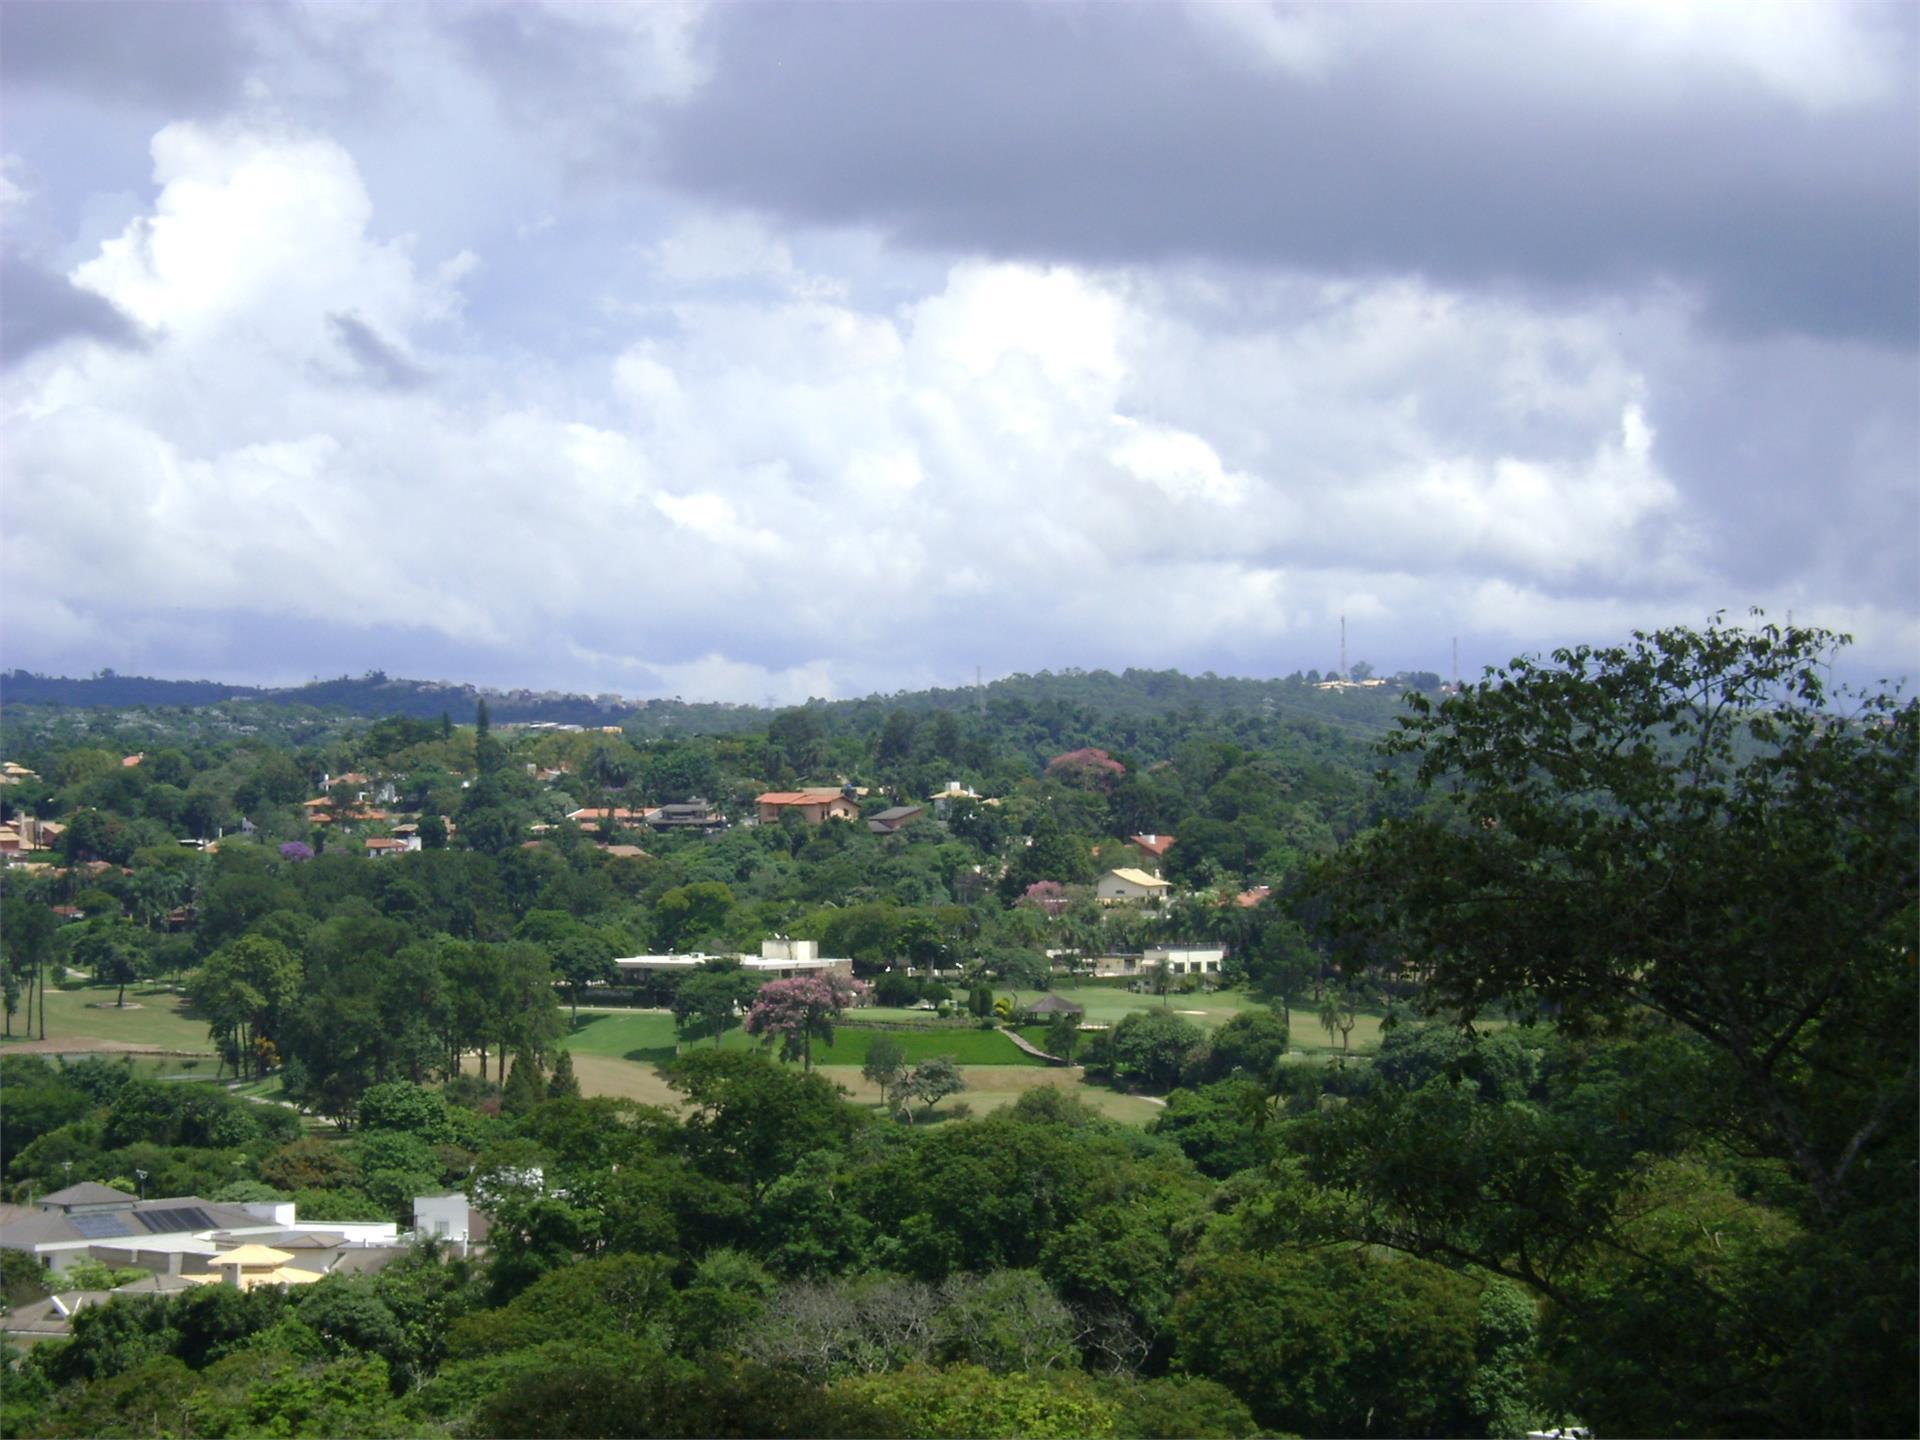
(1339, 1013)
(155, 892)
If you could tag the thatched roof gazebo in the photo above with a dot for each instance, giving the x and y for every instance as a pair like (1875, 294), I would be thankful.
(1051, 1004)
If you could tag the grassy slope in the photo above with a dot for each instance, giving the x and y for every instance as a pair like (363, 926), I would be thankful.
(159, 1022)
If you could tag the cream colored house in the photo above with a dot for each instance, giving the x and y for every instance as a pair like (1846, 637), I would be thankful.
(812, 806)
(1130, 887)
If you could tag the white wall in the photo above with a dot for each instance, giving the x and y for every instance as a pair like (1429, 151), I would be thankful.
(443, 1217)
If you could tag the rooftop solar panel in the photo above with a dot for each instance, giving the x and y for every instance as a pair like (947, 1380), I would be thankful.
(175, 1219)
(100, 1227)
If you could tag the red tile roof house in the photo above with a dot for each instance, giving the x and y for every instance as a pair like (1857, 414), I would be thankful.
(812, 806)
(1152, 848)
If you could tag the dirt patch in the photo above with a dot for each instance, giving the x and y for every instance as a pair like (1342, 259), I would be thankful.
(605, 1075)
(89, 1045)
(988, 1086)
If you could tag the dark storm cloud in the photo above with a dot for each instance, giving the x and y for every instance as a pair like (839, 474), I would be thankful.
(177, 54)
(1475, 147)
(39, 308)
(1802, 454)
(380, 363)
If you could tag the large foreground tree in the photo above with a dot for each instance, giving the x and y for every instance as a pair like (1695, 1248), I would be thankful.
(1685, 826)
(1689, 836)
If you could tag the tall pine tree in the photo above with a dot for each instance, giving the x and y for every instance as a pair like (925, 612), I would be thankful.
(526, 1086)
(563, 1082)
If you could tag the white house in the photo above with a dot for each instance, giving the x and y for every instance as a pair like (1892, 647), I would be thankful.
(180, 1235)
(779, 959)
(1185, 959)
(451, 1218)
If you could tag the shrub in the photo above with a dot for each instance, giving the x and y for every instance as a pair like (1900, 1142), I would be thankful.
(338, 1205)
(1150, 1046)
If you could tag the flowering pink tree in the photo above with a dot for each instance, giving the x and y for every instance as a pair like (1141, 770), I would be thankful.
(1047, 896)
(796, 1010)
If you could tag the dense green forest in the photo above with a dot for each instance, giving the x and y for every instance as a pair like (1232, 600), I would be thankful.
(1635, 1149)
(375, 695)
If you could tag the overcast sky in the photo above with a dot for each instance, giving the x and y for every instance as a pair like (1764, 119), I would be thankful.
(767, 350)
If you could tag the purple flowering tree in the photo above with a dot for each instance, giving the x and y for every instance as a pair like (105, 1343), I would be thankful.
(295, 851)
(795, 1011)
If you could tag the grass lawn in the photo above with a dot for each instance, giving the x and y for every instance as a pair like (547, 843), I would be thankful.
(642, 1035)
(83, 1020)
(1307, 1036)
(615, 1051)
(647, 1037)
(991, 1086)
(897, 1014)
(181, 1068)
(967, 1047)
(1108, 1005)
(988, 1086)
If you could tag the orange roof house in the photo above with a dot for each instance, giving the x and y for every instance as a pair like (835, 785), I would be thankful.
(812, 806)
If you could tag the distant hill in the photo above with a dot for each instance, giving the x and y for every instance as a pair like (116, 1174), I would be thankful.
(1141, 693)
(373, 694)
(22, 687)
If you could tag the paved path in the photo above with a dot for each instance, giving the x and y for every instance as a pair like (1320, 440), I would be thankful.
(1032, 1049)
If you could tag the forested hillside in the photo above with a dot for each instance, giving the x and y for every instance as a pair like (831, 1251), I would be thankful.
(1133, 694)
(1540, 1054)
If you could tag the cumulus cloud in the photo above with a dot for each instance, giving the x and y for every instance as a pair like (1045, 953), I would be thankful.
(754, 351)
(269, 227)
(1027, 465)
